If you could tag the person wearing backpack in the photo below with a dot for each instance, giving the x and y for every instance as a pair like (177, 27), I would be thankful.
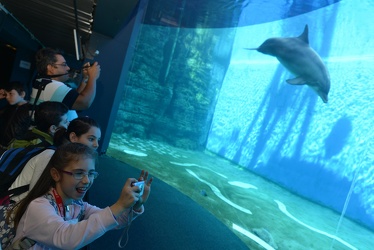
(54, 216)
(84, 130)
(49, 117)
(14, 117)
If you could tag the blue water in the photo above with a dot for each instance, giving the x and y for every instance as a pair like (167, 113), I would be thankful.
(286, 133)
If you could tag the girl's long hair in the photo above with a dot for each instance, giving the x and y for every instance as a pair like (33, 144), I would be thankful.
(63, 156)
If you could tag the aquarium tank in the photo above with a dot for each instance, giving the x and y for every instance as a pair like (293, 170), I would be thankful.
(274, 138)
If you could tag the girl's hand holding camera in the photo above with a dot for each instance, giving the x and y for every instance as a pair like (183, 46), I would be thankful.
(130, 195)
(146, 189)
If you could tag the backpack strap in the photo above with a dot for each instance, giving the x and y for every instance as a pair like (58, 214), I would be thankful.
(16, 191)
(39, 84)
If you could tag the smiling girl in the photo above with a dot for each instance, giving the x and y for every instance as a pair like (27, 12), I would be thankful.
(53, 215)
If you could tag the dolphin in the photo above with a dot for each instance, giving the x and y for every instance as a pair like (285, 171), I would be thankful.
(300, 59)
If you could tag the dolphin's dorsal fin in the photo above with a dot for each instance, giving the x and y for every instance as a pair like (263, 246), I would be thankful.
(304, 36)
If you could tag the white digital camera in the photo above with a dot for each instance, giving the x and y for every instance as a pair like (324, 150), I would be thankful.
(140, 184)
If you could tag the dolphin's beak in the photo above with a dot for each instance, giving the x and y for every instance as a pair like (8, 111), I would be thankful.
(323, 97)
(251, 48)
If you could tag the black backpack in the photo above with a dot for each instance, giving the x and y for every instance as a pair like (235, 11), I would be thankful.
(12, 163)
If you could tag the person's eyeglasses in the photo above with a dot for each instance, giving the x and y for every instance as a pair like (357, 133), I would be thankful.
(81, 175)
(61, 64)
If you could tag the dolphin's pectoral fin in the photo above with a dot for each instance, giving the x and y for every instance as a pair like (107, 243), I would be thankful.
(296, 81)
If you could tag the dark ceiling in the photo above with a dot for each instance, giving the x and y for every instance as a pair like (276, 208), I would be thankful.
(52, 22)
(225, 13)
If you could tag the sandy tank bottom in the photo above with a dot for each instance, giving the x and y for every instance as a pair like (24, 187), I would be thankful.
(262, 214)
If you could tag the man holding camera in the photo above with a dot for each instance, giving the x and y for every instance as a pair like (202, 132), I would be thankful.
(53, 71)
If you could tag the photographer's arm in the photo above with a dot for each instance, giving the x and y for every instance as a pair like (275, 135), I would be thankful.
(87, 92)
